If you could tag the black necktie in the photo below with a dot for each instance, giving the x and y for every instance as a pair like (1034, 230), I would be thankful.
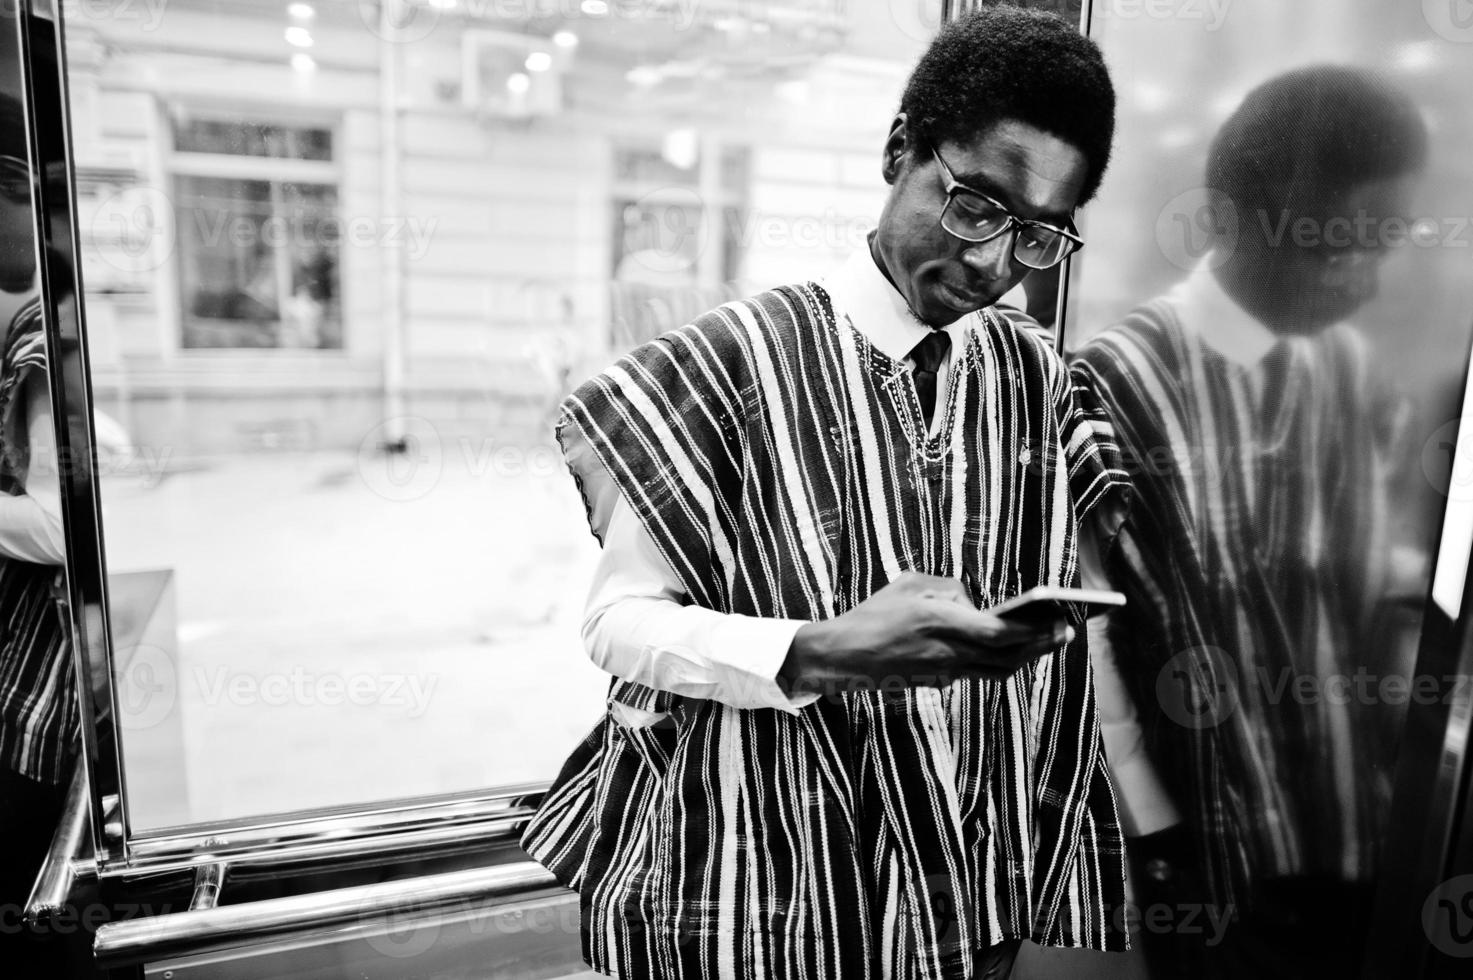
(928, 355)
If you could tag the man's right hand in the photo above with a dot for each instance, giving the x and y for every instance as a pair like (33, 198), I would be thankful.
(918, 631)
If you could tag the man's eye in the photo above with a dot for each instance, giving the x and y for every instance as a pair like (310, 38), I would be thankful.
(973, 208)
(1035, 237)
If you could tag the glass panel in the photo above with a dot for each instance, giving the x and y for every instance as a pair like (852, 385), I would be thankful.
(336, 291)
(1280, 323)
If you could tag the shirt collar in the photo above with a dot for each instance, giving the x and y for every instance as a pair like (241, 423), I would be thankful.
(1205, 308)
(876, 308)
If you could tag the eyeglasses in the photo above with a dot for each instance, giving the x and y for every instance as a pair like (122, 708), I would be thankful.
(974, 217)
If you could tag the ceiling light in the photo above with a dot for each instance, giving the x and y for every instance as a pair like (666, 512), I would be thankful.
(300, 11)
(303, 62)
(539, 61)
(565, 39)
(299, 37)
(518, 83)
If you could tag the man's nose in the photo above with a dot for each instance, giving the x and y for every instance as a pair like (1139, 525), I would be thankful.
(991, 260)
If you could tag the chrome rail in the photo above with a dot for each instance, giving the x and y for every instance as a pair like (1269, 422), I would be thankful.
(381, 832)
(64, 864)
(208, 880)
(159, 937)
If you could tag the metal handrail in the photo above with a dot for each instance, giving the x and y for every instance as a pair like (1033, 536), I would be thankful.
(380, 830)
(64, 862)
(182, 933)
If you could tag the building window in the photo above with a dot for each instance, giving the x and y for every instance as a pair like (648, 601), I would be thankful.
(258, 232)
(678, 209)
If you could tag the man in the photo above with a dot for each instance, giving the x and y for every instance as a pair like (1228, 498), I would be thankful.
(822, 758)
(1255, 545)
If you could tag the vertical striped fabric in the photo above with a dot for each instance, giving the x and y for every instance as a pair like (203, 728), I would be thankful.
(778, 461)
(1247, 558)
(39, 718)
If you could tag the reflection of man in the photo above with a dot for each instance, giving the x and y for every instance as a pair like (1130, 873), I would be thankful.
(38, 706)
(1246, 410)
(821, 757)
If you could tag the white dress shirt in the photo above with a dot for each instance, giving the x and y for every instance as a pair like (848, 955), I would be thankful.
(30, 523)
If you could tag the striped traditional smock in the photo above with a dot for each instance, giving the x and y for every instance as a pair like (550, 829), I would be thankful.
(781, 465)
(1250, 559)
(39, 715)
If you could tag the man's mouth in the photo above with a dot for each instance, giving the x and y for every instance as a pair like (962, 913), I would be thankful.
(964, 300)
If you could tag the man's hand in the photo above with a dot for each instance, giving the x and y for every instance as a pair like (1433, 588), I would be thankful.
(918, 631)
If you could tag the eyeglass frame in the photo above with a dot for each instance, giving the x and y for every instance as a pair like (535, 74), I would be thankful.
(952, 186)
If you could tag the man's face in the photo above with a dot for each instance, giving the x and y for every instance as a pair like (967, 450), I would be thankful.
(1318, 260)
(1034, 174)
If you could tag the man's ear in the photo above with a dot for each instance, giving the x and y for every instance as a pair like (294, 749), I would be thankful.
(897, 144)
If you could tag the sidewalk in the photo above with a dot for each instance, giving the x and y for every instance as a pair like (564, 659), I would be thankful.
(348, 631)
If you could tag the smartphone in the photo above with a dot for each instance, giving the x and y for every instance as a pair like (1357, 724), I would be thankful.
(1046, 604)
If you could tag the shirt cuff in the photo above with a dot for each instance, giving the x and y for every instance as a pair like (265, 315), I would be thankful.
(749, 651)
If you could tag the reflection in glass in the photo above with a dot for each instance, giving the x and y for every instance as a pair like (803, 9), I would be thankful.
(39, 713)
(1278, 346)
